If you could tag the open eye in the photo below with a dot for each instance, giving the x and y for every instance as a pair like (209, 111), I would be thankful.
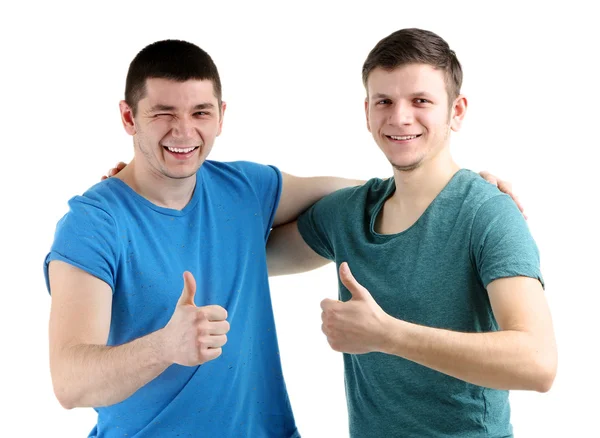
(422, 101)
(383, 102)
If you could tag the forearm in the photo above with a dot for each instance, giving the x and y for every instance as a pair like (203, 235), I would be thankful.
(288, 253)
(507, 359)
(99, 375)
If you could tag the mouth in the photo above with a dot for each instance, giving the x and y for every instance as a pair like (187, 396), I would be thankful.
(180, 150)
(181, 153)
(403, 138)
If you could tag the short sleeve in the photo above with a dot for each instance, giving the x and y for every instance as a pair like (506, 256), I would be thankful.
(266, 181)
(86, 238)
(501, 243)
(313, 227)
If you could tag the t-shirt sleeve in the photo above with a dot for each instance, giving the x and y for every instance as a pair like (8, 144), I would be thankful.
(314, 225)
(86, 238)
(501, 243)
(267, 184)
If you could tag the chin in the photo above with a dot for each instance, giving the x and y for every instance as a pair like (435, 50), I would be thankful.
(180, 175)
(406, 167)
(181, 172)
(406, 164)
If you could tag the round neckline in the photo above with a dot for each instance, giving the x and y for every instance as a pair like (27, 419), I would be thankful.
(163, 210)
(389, 191)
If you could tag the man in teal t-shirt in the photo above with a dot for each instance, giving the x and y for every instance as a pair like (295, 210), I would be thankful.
(444, 310)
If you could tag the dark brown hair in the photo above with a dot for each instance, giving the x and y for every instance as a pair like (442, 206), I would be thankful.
(169, 59)
(416, 46)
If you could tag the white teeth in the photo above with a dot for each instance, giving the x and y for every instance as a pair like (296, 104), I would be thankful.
(180, 151)
(403, 137)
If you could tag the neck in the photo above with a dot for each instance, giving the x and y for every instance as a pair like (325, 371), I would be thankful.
(157, 188)
(417, 188)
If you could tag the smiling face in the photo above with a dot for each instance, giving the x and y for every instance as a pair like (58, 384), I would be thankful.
(409, 115)
(175, 126)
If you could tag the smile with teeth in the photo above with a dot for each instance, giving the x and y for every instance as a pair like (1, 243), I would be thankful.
(180, 150)
(403, 137)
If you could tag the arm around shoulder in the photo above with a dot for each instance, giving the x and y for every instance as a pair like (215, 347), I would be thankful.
(299, 193)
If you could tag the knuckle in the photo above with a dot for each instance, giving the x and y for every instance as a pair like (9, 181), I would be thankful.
(201, 315)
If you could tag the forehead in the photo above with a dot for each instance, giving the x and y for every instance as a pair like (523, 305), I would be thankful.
(406, 79)
(178, 94)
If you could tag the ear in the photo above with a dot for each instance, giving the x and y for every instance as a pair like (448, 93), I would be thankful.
(367, 113)
(459, 109)
(127, 117)
(223, 107)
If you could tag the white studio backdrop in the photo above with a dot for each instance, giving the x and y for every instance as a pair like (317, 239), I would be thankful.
(291, 77)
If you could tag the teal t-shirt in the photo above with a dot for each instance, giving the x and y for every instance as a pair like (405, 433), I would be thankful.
(433, 274)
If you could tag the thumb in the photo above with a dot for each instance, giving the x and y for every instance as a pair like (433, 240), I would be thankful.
(189, 290)
(356, 289)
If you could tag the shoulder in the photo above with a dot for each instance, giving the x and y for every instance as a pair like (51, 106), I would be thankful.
(473, 196)
(359, 196)
(472, 188)
(99, 201)
(241, 176)
(238, 169)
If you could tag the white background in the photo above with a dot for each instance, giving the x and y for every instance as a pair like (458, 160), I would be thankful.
(292, 79)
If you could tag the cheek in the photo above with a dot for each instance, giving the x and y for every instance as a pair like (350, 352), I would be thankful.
(376, 120)
(434, 119)
(156, 131)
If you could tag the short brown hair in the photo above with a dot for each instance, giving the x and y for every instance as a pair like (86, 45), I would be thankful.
(169, 59)
(416, 46)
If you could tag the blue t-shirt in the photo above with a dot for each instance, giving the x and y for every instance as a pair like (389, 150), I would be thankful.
(141, 251)
(435, 274)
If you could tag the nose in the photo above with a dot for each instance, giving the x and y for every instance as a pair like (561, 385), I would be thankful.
(183, 128)
(401, 114)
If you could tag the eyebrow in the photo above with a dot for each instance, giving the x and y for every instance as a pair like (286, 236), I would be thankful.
(412, 95)
(161, 107)
(422, 94)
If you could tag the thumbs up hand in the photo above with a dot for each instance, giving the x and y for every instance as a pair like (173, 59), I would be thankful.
(194, 335)
(356, 326)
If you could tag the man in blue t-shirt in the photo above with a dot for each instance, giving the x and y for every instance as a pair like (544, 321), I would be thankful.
(128, 335)
(442, 307)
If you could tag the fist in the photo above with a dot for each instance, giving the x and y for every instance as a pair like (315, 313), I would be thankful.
(195, 335)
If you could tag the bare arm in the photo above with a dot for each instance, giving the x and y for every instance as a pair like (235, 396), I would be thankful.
(298, 193)
(522, 355)
(87, 372)
(288, 253)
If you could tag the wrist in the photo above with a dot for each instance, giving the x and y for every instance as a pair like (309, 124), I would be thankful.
(159, 348)
(392, 335)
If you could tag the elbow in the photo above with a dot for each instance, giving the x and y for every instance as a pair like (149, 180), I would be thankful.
(66, 400)
(65, 393)
(545, 380)
(545, 372)
(63, 382)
